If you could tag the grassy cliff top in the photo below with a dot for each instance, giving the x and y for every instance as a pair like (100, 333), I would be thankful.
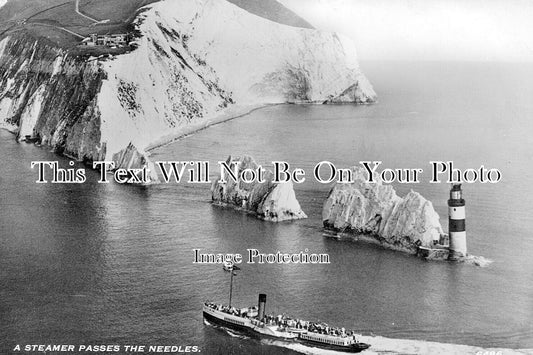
(66, 22)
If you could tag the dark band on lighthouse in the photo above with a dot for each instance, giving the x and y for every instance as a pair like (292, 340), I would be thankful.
(457, 225)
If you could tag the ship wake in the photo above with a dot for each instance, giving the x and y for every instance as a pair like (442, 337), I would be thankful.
(382, 345)
(229, 331)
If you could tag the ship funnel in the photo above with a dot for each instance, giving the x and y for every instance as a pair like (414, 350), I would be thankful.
(261, 306)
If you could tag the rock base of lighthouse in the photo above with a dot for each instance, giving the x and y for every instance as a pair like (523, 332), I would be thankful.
(444, 249)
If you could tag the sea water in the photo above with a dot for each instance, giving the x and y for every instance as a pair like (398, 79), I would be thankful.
(113, 264)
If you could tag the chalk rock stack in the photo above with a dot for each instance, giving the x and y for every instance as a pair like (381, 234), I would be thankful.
(267, 200)
(376, 211)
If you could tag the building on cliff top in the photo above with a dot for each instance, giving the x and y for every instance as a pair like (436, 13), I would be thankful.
(109, 40)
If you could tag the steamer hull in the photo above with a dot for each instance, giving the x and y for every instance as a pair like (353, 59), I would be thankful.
(260, 330)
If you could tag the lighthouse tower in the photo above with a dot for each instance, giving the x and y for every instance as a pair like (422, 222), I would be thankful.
(456, 224)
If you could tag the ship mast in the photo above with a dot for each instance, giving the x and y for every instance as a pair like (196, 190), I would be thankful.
(230, 287)
(232, 273)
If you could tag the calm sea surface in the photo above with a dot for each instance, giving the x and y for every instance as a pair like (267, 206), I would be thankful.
(112, 264)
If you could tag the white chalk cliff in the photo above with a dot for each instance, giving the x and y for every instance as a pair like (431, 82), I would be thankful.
(198, 57)
(196, 62)
(375, 210)
(266, 200)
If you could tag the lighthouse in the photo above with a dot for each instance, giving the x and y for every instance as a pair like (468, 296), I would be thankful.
(456, 223)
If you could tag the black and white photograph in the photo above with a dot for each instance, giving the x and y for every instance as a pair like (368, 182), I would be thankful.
(266, 177)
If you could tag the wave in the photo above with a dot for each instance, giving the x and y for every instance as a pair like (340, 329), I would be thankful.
(477, 260)
(480, 261)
